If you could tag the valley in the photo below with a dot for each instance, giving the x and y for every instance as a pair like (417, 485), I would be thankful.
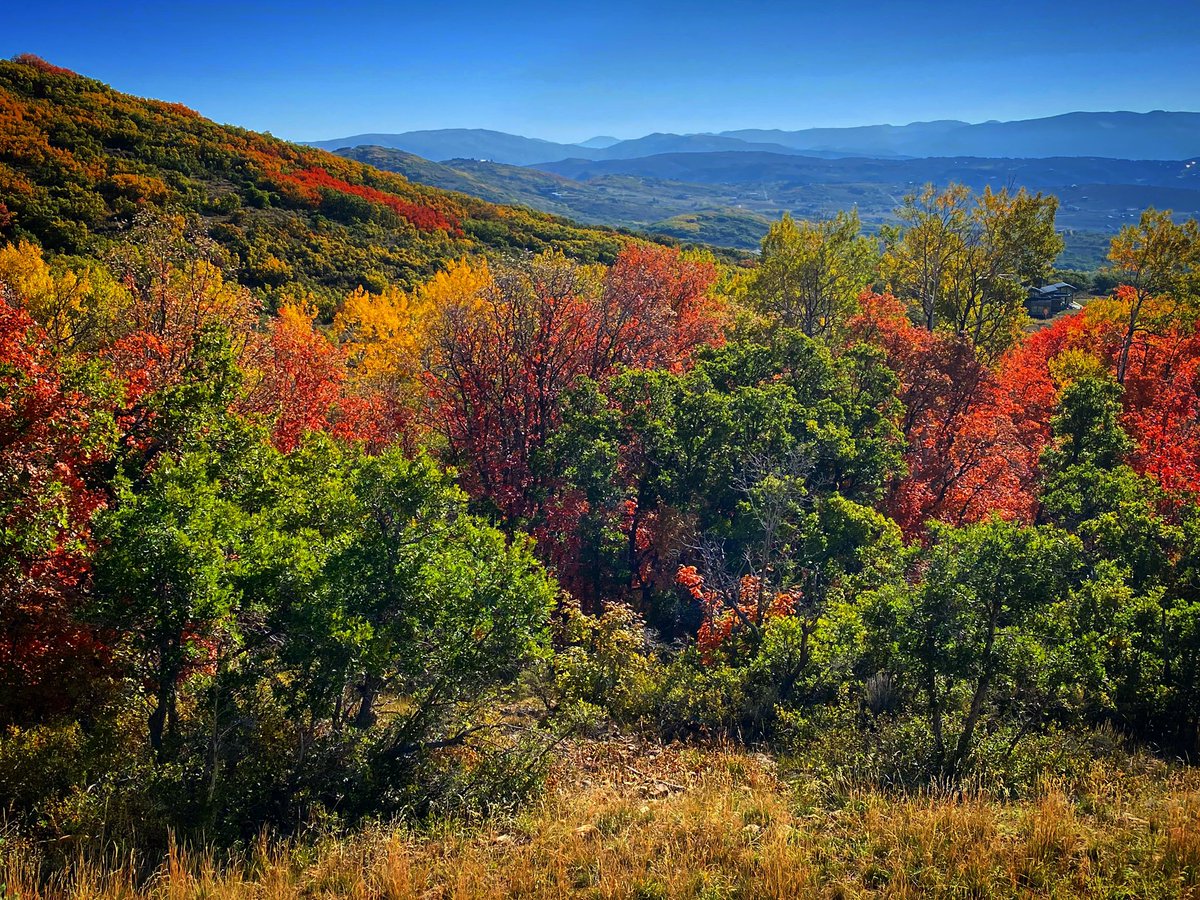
(729, 198)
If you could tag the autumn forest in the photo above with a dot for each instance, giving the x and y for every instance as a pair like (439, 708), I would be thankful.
(348, 525)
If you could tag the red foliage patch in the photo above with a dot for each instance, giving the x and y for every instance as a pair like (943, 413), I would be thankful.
(313, 180)
(727, 613)
(47, 658)
(972, 451)
(1162, 391)
(36, 62)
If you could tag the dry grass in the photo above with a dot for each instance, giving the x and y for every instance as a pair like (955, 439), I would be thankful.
(626, 821)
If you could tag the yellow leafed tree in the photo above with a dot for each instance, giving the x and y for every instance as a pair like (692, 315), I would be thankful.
(81, 307)
(386, 336)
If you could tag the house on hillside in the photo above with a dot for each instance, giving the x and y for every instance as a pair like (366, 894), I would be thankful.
(1049, 299)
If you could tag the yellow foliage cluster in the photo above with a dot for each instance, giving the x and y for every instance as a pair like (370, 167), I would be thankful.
(84, 307)
(80, 306)
(1073, 364)
(385, 336)
(297, 316)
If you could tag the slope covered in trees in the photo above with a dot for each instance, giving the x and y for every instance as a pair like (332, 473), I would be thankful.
(78, 159)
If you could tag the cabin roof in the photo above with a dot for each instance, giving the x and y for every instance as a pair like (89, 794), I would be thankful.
(1054, 288)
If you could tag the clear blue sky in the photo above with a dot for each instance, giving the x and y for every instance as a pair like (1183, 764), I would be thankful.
(567, 71)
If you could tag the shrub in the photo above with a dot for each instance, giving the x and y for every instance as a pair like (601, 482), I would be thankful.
(606, 663)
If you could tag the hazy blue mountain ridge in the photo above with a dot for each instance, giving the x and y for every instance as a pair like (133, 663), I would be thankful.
(1117, 135)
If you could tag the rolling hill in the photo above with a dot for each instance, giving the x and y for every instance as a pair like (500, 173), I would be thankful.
(78, 160)
(1097, 194)
(770, 168)
(607, 199)
(472, 143)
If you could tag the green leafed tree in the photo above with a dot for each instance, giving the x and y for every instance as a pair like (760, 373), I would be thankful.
(963, 262)
(1139, 601)
(811, 273)
(981, 630)
(167, 573)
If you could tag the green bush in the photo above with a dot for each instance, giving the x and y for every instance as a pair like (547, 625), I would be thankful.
(603, 663)
(699, 699)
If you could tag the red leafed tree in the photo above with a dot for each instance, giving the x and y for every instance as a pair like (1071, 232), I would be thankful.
(1024, 372)
(969, 448)
(506, 345)
(302, 380)
(304, 388)
(1162, 410)
(658, 307)
(49, 434)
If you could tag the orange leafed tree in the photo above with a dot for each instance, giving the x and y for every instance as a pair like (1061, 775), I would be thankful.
(968, 455)
(302, 378)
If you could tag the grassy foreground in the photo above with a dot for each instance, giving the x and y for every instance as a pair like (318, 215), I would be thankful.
(628, 821)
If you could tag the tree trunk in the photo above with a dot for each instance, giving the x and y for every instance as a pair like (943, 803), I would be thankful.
(369, 689)
(935, 715)
(963, 746)
(161, 722)
(1127, 342)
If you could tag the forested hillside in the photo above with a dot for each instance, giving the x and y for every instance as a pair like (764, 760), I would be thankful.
(78, 159)
(457, 567)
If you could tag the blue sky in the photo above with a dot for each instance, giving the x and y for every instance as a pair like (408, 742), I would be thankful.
(567, 71)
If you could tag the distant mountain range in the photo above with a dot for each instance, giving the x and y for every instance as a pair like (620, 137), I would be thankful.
(725, 189)
(511, 149)
(1115, 135)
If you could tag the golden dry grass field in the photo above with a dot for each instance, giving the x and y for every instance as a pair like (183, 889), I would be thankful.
(626, 820)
